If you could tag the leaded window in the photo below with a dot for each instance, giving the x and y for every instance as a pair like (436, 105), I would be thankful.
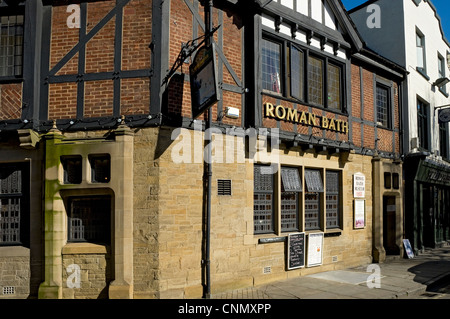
(72, 166)
(383, 105)
(315, 80)
(263, 200)
(100, 168)
(11, 45)
(290, 186)
(302, 74)
(271, 66)
(332, 199)
(297, 73)
(90, 219)
(314, 186)
(334, 87)
(13, 205)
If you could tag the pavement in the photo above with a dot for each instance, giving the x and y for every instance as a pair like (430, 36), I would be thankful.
(426, 276)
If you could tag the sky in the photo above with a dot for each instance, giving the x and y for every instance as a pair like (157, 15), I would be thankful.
(442, 7)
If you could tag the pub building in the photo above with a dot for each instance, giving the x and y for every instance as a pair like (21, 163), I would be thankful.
(105, 192)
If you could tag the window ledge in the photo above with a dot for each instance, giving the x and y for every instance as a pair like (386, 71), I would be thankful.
(444, 93)
(84, 248)
(423, 74)
(14, 251)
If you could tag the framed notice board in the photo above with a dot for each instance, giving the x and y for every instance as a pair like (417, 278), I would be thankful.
(296, 251)
(315, 249)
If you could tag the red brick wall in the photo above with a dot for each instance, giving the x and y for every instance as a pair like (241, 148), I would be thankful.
(10, 101)
(136, 55)
(386, 136)
(181, 26)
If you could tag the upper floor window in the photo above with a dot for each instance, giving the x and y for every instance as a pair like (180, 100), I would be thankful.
(11, 45)
(422, 124)
(271, 66)
(420, 45)
(311, 78)
(383, 103)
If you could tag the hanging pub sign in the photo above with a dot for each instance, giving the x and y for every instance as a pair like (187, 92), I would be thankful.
(444, 115)
(204, 85)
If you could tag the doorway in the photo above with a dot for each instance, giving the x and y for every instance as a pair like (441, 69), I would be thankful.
(389, 226)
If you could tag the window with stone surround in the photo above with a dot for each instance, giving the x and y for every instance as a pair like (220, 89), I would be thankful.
(297, 212)
(89, 219)
(14, 208)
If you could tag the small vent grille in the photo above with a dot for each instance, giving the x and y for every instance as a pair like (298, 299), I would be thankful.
(9, 290)
(267, 270)
(224, 187)
(334, 259)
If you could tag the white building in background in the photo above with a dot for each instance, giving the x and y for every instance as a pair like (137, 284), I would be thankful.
(410, 33)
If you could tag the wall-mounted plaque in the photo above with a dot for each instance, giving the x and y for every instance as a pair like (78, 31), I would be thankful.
(315, 249)
(359, 185)
(359, 218)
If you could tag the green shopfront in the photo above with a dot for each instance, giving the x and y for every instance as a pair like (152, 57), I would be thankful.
(427, 202)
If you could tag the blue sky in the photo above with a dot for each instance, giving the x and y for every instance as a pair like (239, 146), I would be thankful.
(442, 6)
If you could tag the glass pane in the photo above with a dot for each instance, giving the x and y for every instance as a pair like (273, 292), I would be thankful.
(290, 179)
(289, 211)
(312, 210)
(334, 87)
(89, 219)
(11, 41)
(332, 199)
(271, 66)
(382, 101)
(315, 81)
(297, 73)
(263, 200)
(313, 181)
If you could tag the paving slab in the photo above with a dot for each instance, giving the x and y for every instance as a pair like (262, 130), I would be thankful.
(343, 276)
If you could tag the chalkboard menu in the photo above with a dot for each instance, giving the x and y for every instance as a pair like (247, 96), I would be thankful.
(296, 251)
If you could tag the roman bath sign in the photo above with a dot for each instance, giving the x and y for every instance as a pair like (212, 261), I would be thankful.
(287, 114)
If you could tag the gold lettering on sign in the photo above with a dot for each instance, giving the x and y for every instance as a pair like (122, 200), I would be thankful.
(283, 112)
(292, 115)
(324, 122)
(269, 110)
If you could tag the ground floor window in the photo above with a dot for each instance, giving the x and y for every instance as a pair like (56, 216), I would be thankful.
(303, 205)
(90, 219)
(14, 208)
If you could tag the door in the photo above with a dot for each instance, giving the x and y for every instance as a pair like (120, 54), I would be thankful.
(389, 226)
